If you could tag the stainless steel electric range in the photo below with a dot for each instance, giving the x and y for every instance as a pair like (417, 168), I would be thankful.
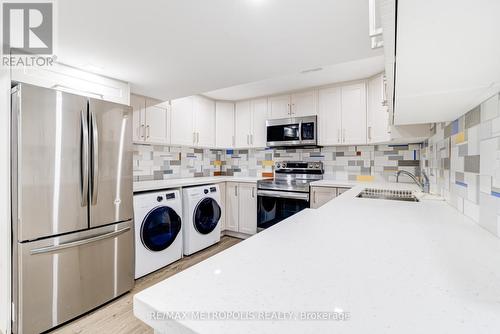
(287, 193)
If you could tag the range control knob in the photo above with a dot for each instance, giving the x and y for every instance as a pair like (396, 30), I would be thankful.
(159, 198)
(205, 191)
(278, 165)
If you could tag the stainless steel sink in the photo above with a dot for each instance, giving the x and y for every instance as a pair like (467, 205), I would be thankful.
(393, 195)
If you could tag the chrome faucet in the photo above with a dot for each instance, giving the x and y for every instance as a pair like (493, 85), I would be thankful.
(424, 186)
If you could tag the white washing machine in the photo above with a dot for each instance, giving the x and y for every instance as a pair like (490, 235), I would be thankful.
(158, 230)
(202, 213)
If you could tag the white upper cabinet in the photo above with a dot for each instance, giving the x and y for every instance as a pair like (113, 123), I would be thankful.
(224, 124)
(342, 115)
(294, 105)
(183, 122)
(193, 121)
(258, 135)
(353, 99)
(250, 123)
(204, 120)
(138, 104)
(329, 116)
(157, 130)
(243, 124)
(377, 117)
(279, 106)
(151, 120)
(304, 103)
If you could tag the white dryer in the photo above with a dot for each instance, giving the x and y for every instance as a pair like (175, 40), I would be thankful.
(158, 230)
(202, 213)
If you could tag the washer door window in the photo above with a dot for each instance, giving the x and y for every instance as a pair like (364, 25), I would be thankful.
(160, 228)
(206, 215)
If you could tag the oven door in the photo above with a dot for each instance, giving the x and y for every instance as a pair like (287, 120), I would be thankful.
(274, 206)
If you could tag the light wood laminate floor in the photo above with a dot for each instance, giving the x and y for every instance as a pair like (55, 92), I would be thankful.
(117, 316)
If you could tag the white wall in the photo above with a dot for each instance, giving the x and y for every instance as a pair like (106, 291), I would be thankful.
(5, 201)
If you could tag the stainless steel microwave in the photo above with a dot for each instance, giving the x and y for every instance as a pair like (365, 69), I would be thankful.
(296, 131)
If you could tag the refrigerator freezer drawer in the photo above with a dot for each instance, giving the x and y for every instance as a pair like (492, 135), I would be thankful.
(63, 277)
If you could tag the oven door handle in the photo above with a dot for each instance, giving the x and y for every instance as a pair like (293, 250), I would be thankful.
(283, 194)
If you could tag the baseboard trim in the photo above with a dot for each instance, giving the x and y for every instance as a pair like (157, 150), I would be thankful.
(235, 234)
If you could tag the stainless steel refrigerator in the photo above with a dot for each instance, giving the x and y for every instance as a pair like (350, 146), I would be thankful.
(72, 208)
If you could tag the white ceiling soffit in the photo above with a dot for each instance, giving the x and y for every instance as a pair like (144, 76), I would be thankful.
(352, 70)
(447, 59)
(175, 48)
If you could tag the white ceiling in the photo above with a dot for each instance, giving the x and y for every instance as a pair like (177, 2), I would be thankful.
(173, 48)
(358, 69)
(448, 58)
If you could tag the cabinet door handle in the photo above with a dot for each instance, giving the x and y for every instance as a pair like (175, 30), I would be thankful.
(370, 133)
(343, 137)
(142, 131)
(338, 135)
(147, 131)
(251, 139)
(235, 190)
(253, 192)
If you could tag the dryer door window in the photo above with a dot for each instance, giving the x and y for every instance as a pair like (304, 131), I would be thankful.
(160, 228)
(206, 216)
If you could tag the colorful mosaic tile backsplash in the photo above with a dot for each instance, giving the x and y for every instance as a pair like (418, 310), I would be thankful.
(364, 163)
(462, 159)
(164, 162)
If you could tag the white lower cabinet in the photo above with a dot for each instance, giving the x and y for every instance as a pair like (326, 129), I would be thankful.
(340, 191)
(321, 195)
(247, 215)
(241, 207)
(232, 207)
(222, 191)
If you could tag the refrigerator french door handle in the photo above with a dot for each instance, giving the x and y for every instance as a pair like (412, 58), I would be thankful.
(95, 159)
(80, 242)
(84, 159)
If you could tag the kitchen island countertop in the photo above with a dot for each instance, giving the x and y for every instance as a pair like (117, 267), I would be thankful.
(389, 266)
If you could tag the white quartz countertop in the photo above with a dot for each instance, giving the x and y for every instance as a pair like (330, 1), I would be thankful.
(395, 267)
(335, 183)
(190, 181)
